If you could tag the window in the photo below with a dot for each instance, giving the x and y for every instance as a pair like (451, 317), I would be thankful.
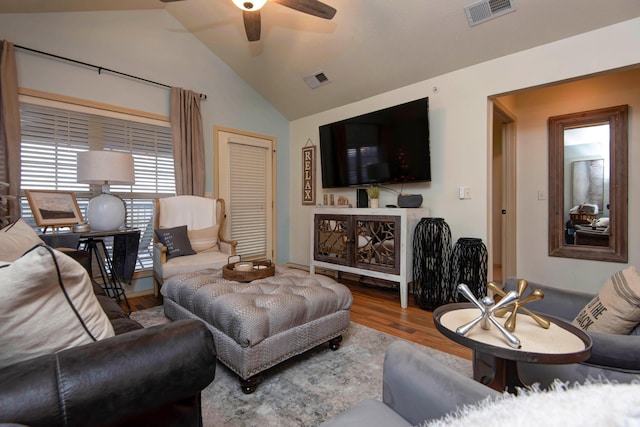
(54, 132)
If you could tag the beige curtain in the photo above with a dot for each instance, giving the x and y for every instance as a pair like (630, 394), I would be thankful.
(188, 142)
(9, 128)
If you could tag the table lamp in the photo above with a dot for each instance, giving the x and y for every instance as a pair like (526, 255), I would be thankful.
(105, 212)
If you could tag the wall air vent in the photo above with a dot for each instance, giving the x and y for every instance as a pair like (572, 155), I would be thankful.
(317, 80)
(488, 9)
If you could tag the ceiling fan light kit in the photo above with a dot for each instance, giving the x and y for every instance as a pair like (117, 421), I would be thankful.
(251, 12)
(250, 6)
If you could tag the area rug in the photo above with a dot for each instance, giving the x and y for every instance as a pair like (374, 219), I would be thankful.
(307, 389)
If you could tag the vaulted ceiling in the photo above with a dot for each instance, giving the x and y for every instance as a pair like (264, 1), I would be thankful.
(369, 47)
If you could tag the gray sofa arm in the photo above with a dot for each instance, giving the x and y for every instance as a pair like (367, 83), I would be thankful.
(616, 352)
(418, 387)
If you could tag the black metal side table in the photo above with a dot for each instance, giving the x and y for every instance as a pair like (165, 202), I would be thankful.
(93, 242)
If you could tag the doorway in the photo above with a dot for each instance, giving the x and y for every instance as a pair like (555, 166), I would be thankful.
(503, 202)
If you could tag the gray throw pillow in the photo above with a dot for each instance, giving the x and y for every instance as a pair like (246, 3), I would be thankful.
(176, 240)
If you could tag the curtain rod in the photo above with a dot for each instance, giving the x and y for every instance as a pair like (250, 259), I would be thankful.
(97, 67)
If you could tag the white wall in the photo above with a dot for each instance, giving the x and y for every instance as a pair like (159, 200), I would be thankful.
(533, 108)
(152, 45)
(460, 154)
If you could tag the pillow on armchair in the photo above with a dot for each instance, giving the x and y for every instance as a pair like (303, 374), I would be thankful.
(47, 304)
(616, 308)
(176, 240)
(204, 239)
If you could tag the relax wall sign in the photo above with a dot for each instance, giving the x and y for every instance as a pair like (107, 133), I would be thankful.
(308, 174)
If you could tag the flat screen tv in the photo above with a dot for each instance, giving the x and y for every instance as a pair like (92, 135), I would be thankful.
(389, 146)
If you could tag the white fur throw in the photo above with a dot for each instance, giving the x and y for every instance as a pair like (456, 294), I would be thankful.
(592, 404)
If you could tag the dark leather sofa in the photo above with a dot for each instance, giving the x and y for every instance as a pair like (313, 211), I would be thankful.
(140, 377)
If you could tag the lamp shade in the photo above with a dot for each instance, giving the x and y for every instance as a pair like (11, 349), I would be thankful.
(105, 212)
(105, 167)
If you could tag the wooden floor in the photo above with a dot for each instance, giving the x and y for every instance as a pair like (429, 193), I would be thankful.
(377, 308)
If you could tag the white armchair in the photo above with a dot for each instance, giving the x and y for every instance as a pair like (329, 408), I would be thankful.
(204, 219)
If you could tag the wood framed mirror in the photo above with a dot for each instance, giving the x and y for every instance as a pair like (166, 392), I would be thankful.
(588, 168)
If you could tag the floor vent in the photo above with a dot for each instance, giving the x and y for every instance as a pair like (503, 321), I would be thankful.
(488, 9)
(317, 80)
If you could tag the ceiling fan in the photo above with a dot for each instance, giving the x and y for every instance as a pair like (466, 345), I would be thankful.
(251, 12)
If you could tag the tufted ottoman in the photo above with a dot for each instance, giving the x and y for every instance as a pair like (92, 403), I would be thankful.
(259, 324)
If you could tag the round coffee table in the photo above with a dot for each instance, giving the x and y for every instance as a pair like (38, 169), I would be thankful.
(494, 361)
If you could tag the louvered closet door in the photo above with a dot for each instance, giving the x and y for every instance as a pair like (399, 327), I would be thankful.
(245, 181)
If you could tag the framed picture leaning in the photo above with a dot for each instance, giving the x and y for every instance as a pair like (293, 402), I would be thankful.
(54, 208)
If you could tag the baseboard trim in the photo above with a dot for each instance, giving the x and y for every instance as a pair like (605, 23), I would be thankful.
(337, 275)
(142, 293)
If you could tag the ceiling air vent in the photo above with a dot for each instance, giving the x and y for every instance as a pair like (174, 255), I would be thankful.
(317, 80)
(488, 9)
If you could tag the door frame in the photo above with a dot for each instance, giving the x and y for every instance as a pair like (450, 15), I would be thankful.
(509, 188)
(217, 130)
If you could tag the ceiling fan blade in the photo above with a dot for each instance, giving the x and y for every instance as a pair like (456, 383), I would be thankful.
(169, 1)
(311, 7)
(252, 24)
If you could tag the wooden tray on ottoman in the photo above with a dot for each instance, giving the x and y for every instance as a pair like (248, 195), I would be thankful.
(261, 269)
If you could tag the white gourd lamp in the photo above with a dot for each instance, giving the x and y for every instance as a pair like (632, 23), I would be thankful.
(105, 212)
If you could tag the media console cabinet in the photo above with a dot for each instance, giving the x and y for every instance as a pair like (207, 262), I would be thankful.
(374, 242)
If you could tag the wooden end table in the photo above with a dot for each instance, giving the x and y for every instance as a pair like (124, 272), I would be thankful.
(494, 361)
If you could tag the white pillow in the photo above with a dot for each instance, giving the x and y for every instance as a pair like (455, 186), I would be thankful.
(204, 239)
(36, 317)
(16, 239)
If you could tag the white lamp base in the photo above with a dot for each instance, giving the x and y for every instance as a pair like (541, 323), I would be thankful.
(106, 212)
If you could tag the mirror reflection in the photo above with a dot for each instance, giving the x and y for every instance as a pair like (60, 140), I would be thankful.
(586, 162)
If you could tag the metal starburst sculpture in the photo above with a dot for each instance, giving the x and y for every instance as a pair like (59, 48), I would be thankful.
(487, 310)
(535, 295)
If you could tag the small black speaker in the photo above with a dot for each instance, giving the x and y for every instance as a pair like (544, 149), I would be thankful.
(362, 198)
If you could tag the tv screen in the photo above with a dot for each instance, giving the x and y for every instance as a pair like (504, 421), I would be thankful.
(388, 146)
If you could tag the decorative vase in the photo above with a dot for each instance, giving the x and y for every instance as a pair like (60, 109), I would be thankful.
(373, 203)
(469, 266)
(431, 258)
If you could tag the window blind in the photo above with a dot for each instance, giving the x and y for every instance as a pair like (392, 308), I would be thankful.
(52, 137)
(248, 216)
